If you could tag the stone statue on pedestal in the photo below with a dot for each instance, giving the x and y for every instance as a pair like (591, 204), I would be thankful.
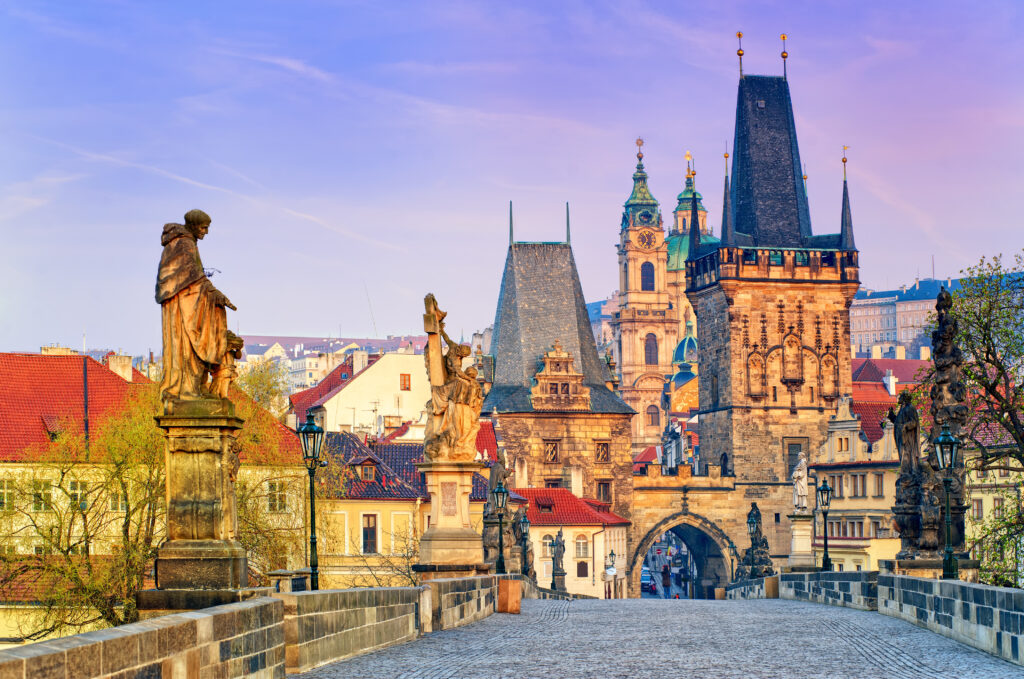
(499, 474)
(799, 479)
(756, 562)
(557, 571)
(523, 544)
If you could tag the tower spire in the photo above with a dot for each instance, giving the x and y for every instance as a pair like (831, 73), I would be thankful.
(846, 230)
(694, 227)
(785, 55)
(728, 236)
(511, 240)
(739, 52)
(568, 239)
(641, 195)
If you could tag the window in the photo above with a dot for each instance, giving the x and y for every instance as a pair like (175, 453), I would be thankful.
(843, 444)
(117, 501)
(879, 484)
(6, 494)
(651, 349)
(366, 472)
(582, 547)
(876, 529)
(1004, 473)
(551, 451)
(548, 541)
(775, 394)
(602, 454)
(836, 481)
(42, 496)
(859, 484)
(552, 483)
(977, 509)
(581, 569)
(604, 491)
(982, 473)
(369, 534)
(997, 507)
(647, 277)
(405, 382)
(277, 500)
(553, 389)
(77, 495)
(653, 416)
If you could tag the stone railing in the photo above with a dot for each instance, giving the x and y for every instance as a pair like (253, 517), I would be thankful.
(532, 591)
(235, 640)
(852, 589)
(989, 618)
(755, 588)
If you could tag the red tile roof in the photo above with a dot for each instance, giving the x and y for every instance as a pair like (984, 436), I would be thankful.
(906, 371)
(872, 414)
(559, 507)
(37, 392)
(648, 454)
(486, 441)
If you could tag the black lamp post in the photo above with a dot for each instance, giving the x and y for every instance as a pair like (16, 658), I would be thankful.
(524, 529)
(751, 528)
(312, 438)
(499, 496)
(946, 447)
(824, 500)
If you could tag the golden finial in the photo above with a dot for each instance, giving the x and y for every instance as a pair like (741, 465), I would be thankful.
(845, 149)
(785, 54)
(739, 52)
(639, 147)
(727, 159)
(689, 157)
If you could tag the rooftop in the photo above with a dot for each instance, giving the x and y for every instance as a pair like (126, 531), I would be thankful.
(559, 507)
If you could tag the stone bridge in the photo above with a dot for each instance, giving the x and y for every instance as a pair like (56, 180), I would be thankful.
(638, 638)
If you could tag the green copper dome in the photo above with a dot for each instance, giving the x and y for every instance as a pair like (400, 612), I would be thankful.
(679, 249)
(687, 194)
(641, 196)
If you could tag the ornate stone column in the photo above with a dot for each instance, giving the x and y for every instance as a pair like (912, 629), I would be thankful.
(450, 547)
(801, 554)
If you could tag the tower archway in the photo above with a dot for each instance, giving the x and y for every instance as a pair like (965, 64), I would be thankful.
(713, 552)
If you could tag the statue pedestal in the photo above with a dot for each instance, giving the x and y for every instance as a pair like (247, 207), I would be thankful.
(450, 547)
(931, 569)
(201, 552)
(558, 580)
(800, 551)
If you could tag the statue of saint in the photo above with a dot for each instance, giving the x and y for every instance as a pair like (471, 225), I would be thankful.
(800, 482)
(907, 434)
(455, 395)
(195, 330)
(557, 552)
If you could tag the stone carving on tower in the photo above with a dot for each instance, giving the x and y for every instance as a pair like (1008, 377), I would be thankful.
(558, 384)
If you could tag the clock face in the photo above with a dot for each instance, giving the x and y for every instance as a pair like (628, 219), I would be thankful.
(646, 239)
(645, 217)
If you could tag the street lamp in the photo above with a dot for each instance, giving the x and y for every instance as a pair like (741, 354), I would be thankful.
(499, 496)
(946, 446)
(312, 438)
(524, 529)
(751, 527)
(824, 500)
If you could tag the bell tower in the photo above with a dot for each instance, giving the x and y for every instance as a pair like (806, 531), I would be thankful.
(646, 325)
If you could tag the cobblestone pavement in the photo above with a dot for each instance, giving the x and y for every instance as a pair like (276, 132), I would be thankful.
(758, 639)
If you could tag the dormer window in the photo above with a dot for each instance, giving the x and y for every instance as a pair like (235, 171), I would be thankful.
(366, 472)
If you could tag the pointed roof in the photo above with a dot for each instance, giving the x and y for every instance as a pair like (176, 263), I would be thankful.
(768, 199)
(846, 231)
(728, 235)
(541, 302)
(694, 228)
(641, 196)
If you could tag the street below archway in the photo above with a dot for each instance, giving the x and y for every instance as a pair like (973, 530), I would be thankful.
(636, 638)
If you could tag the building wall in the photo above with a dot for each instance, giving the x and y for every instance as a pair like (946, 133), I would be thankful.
(600, 541)
(377, 392)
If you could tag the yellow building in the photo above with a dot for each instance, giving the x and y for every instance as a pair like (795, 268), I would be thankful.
(860, 462)
(991, 495)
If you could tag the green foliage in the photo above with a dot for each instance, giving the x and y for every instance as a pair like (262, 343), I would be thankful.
(266, 383)
(998, 538)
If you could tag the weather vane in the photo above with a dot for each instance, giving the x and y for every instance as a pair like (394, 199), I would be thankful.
(739, 52)
(845, 149)
(785, 54)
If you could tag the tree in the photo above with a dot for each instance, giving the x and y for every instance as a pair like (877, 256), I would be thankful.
(392, 566)
(266, 383)
(998, 538)
(989, 308)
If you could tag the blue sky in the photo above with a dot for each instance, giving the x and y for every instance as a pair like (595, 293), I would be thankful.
(355, 150)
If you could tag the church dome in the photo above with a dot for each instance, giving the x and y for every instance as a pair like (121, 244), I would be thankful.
(686, 350)
(687, 195)
(684, 375)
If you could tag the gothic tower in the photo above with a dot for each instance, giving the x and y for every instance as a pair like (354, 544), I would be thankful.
(772, 306)
(646, 325)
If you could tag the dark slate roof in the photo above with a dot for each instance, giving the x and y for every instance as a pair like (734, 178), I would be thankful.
(541, 302)
(922, 290)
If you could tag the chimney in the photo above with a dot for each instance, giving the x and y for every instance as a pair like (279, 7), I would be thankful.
(890, 382)
(901, 352)
(120, 365)
(876, 351)
(925, 353)
(359, 359)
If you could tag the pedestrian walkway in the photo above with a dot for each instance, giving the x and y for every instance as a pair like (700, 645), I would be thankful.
(638, 638)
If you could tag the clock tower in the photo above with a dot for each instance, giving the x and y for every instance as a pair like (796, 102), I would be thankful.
(646, 325)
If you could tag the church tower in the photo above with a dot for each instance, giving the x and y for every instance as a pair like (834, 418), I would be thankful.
(646, 325)
(772, 305)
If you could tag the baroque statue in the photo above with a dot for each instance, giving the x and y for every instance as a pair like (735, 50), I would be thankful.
(455, 394)
(756, 562)
(799, 479)
(197, 344)
(525, 544)
(499, 474)
(557, 552)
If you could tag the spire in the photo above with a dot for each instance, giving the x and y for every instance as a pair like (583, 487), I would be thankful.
(568, 239)
(739, 52)
(728, 236)
(785, 55)
(641, 195)
(511, 241)
(694, 227)
(846, 231)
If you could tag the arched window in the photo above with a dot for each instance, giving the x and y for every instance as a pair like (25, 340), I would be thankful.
(548, 540)
(582, 547)
(651, 349)
(647, 276)
(653, 416)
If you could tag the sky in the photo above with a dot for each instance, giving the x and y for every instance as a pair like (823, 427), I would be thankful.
(356, 155)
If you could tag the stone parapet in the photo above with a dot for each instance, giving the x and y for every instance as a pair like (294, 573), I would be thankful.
(459, 601)
(988, 618)
(244, 639)
(850, 589)
(754, 588)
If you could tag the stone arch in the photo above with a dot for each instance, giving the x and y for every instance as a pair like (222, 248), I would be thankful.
(702, 524)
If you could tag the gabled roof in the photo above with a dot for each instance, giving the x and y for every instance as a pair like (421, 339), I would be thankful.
(872, 414)
(540, 303)
(566, 509)
(303, 400)
(905, 370)
(38, 393)
(486, 441)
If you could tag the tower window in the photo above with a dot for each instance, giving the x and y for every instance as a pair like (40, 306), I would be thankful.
(647, 277)
(653, 416)
(651, 349)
